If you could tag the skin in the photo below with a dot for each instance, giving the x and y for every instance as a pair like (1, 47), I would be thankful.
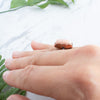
(61, 74)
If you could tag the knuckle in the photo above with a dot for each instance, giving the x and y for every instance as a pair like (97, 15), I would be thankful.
(35, 58)
(25, 75)
(28, 70)
(85, 82)
(90, 50)
(85, 74)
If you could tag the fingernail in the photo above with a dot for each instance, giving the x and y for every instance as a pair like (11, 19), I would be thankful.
(5, 75)
(16, 54)
(36, 43)
(11, 98)
(8, 62)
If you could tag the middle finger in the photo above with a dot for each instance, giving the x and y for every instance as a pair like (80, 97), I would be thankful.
(58, 57)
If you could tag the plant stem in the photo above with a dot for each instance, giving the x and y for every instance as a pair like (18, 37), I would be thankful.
(11, 10)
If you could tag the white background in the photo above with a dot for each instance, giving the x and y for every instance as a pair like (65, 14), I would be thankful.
(80, 24)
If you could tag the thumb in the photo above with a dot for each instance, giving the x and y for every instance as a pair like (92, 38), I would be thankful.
(17, 97)
(36, 79)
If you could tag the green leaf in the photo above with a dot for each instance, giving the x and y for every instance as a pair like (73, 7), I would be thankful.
(5, 95)
(33, 2)
(2, 62)
(73, 1)
(0, 57)
(18, 3)
(6, 90)
(54, 2)
(62, 2)
(44, 5)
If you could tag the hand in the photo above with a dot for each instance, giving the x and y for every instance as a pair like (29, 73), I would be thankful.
(35, 46)
(61, 74)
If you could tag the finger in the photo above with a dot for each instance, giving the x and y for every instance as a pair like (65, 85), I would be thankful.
(59, 57)
(18, 54)
(35, 46)
(40, 80)
(41, 46)
(17, 97)
(58, 44)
